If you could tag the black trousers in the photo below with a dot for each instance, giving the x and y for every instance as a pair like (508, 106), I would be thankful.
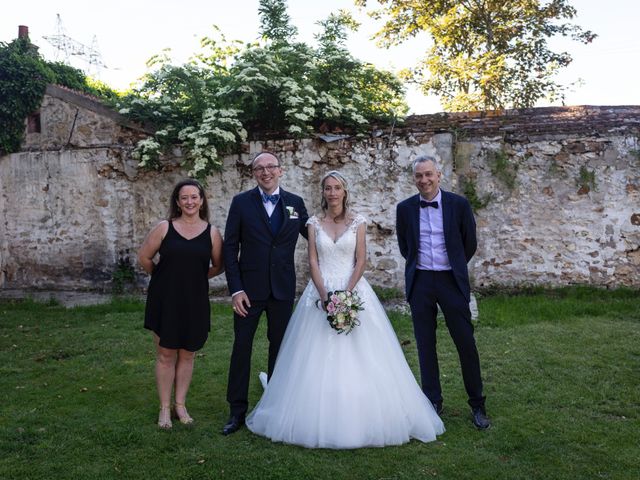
(278, 314)
(430, 289)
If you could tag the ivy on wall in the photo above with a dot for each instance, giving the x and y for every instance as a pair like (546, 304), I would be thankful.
(470, 191)
(24, 75)
(586, 180)
(23, 79)
(504, 168)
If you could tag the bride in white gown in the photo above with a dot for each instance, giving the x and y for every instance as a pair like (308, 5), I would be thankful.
(331, 390)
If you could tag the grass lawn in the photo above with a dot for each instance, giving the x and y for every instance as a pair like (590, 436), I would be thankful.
(561, 370)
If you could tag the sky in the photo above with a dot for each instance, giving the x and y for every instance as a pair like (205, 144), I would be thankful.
(128, 32)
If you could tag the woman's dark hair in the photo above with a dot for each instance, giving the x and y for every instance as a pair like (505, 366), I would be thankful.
(174, 209)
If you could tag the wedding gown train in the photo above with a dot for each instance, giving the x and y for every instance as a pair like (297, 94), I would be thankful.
(331, 390)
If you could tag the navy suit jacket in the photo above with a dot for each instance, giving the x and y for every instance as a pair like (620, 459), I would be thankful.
(459, 236)
(256, 260)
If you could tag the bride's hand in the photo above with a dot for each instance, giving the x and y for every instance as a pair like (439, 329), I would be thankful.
(322, 304)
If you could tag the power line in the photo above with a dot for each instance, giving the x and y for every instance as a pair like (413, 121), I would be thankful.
(67, 47)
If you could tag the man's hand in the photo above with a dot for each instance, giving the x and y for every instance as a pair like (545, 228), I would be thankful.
(241, 304)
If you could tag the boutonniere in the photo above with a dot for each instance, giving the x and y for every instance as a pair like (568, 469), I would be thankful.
(292, 212)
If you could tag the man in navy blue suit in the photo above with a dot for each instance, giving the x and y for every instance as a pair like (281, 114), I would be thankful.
(259, 244)
(437, 237)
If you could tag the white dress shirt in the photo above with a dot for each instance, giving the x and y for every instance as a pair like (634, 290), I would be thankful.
(432, 250)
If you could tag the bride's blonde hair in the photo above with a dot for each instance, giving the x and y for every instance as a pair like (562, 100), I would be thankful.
(345, 201)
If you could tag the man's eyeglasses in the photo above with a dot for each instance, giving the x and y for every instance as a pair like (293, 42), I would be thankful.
(266, 168)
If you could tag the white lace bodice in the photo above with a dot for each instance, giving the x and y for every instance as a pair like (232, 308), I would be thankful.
(336, 258)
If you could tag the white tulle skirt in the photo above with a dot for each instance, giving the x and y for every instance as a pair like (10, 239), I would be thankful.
(343, 391)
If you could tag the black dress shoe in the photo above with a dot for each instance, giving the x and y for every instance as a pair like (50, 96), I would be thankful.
(233, 425)
(438, 408)
(480, 419)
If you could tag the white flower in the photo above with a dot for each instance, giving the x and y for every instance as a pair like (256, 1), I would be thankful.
(301, 116)
(224, 135)
(185, 132)
(202, 141)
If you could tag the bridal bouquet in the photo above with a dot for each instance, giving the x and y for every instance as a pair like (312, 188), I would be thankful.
(342, 310)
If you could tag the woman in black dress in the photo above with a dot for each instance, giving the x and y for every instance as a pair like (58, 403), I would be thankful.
(177, 311)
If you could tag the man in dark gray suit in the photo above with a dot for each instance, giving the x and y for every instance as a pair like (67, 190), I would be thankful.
(436, 234)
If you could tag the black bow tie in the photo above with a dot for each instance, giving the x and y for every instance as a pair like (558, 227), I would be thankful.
(428, 204)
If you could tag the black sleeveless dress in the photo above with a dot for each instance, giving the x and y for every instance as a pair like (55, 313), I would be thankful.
(177, 307)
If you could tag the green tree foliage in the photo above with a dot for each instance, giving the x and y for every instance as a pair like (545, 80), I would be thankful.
(275, 84)
(23, 78)
(356, 87)
(275, 23)
(485, 54)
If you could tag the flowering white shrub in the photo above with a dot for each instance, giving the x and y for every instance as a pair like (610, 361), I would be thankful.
(207, 105)
(147, 151)
(218, 128)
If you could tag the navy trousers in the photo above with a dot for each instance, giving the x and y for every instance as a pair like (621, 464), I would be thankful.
(430, 289)
(278, 314)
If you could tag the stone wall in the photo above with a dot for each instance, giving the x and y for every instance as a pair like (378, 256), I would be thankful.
(562, 188)
(570, 217)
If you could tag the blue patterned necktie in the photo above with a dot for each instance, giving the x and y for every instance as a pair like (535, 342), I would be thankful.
(428, 204)
(270, 198)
